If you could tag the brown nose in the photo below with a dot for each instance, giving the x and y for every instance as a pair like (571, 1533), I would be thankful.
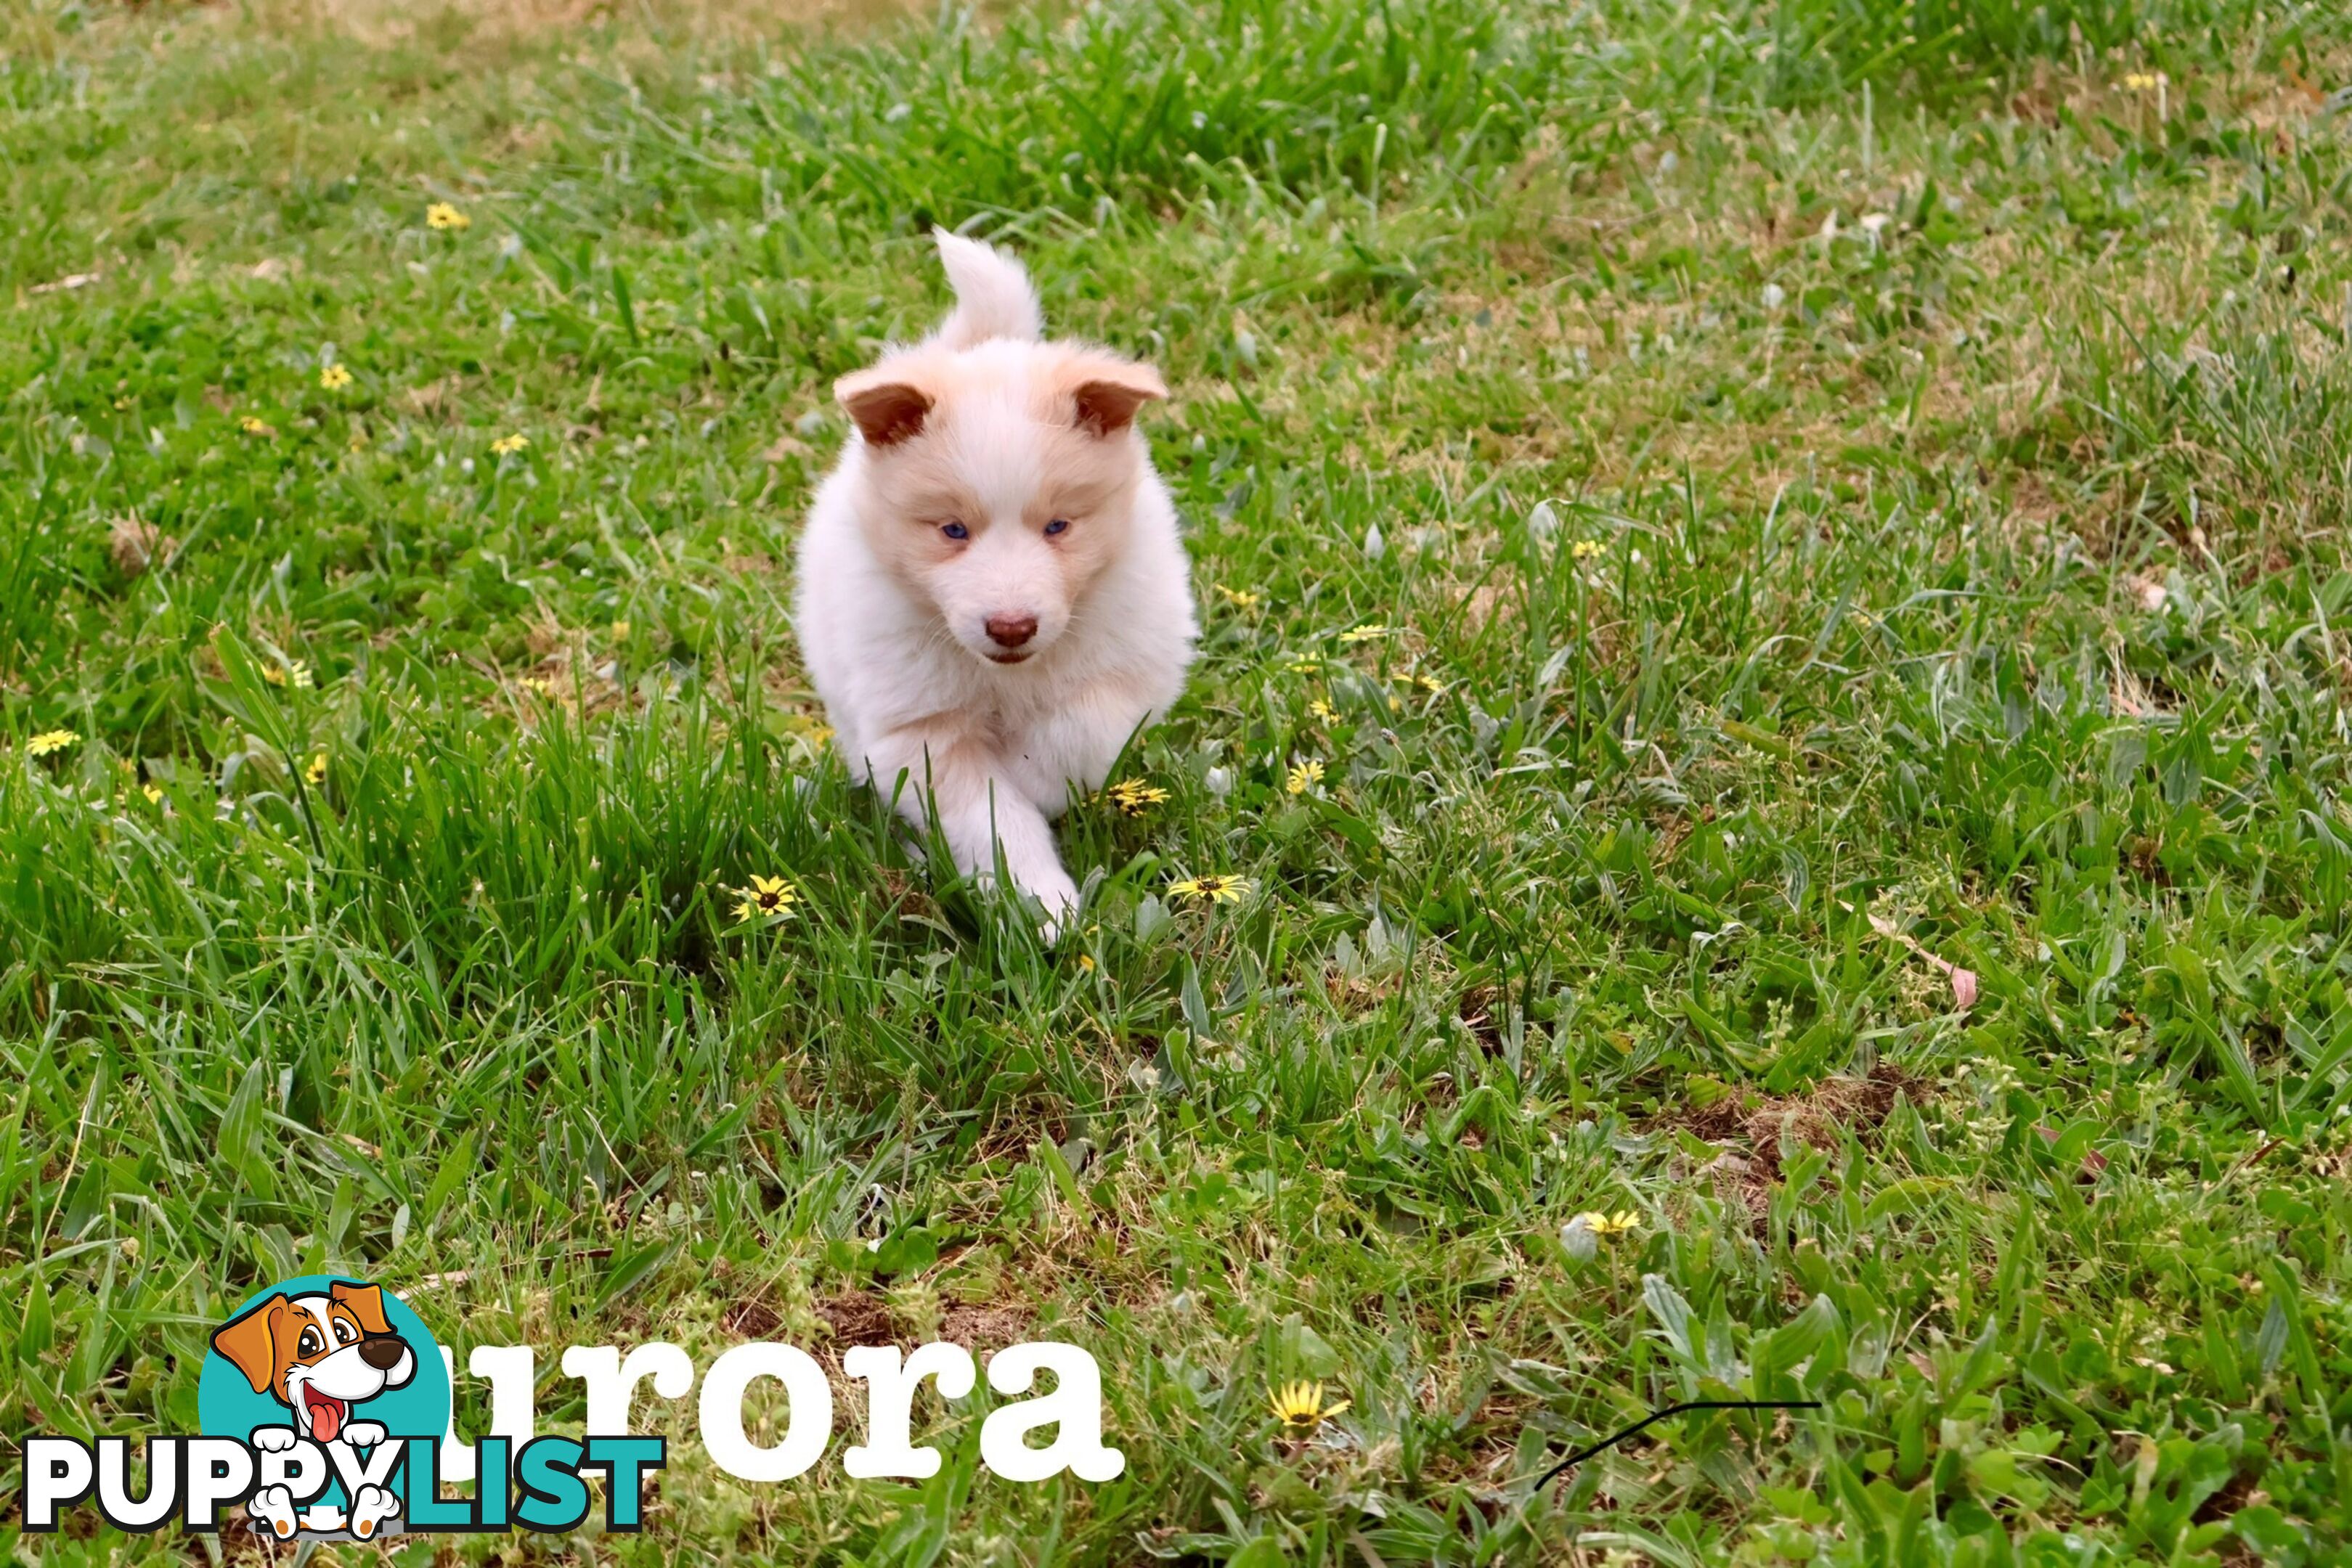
(1011, 631)
(382, 1351)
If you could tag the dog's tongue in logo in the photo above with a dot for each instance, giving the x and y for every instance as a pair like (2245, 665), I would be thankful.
(325, 1412)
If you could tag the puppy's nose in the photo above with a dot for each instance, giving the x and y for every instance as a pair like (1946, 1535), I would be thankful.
(1011, 631)
(382, 1352)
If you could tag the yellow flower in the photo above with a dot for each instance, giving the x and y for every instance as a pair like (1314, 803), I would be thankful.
(1215, 888)
(51, 740)
(1369, 632)
(1240, 599)
(295, 674)
(1323, 711)
(1134, 797)
(540, 684)
(505, 446)
(316, 773)
(2144, 81)
(155, 793)
(1299, 1406)
(442, 216)
(1625, 1222)
(1585, 549)
(1304, 777)
(1426, 682)
(1087, 962)
(767, 897)
(620, 630)
(253, 426)
(334, 378)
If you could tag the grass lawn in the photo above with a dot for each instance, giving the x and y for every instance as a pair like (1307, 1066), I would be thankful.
(1776, 626)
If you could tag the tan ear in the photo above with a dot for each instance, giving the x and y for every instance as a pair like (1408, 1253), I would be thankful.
(886, 407)
(1108, 391)
(366, 1302)
(250, 1344)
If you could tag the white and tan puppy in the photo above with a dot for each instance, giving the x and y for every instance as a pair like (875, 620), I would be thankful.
(993, 593)
(320, 1355)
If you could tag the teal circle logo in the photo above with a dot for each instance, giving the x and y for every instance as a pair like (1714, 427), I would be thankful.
(326, 1378)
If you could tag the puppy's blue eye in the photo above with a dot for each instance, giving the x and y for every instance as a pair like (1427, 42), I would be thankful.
(1058, 525)
(955, 530)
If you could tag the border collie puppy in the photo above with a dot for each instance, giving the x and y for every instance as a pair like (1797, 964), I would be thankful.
(992, 593)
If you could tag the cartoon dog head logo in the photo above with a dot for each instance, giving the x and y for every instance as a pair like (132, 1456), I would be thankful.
(325, 1378)
(320, 1354)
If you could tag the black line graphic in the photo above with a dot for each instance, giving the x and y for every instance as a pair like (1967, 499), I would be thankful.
(1655, 1416)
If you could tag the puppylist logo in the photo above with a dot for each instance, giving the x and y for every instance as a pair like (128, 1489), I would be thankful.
(322, 1405)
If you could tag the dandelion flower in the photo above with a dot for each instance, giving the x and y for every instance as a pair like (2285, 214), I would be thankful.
(155, 793)
(1585, 549)
(316, 773)
(334, 378)
(2144, 81)
(253, 426)
(51, 741)
(1429, 683)
(1304, 777)
(1609, 1226)
(1087, 962)
(295, 674)
(1323, 712)
(1134, 797)
(1240, 599)
(540, 684)
(767, 898)
(506, 445)
(1299, 1408)
(442, 216)
(1304, 664)
(1369, 632)
(1214, 888)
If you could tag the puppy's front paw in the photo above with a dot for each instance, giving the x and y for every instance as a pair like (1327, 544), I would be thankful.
(273, 1506)
(273, 1439)
(369, 1509)
(364, 1434)
(1054, 889)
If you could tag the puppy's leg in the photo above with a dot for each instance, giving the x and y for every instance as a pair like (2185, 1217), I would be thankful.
(1078, 742)
(981, 809)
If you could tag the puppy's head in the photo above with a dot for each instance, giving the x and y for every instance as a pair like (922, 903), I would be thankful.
(997, 481)
(319, 1354)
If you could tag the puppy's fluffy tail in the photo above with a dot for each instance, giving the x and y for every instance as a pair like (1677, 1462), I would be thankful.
(994, 299)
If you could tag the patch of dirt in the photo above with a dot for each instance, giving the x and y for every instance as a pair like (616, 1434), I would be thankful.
(984, 1329)
(752, 1320)
(856, 1318)
(381, 23)
(1752, 1128)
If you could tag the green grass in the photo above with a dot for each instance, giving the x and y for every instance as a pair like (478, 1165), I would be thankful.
(1840, 473)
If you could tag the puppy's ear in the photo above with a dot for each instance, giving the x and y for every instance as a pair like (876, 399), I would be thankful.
(887, 408)
(366, 1302)
(1104, 392)
(250, 1344)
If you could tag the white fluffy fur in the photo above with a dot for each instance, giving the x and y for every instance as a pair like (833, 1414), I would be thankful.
(898, 649)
